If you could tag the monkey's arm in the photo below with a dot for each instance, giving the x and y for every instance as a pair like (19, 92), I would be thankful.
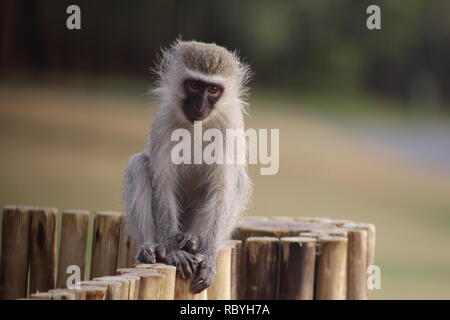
(216, 220)
(150, 210)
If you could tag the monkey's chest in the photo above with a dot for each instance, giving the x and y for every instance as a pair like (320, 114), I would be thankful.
(192, 188)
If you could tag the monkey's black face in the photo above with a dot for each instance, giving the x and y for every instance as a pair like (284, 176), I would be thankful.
(200, 98)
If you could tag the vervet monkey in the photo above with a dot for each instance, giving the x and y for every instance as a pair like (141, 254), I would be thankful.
(182, 214)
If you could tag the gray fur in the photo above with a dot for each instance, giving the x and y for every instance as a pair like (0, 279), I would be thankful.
(163, 199)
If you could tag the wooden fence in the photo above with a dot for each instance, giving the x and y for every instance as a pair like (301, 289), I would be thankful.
(269, 258)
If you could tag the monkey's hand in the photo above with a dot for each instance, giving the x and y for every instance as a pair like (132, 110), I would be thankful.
(204, 276)
(185, 262)
(188, 242)
(150, 253)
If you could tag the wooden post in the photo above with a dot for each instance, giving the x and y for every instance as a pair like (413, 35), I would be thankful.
(127, 248)
(236, 253)
(42, 249)
(95, 292)
(105, 243)
(125, 289)
(356, 264)
(133, 281)
(115, 288)
(80, 294)
(72, 250)
(62, 294)
(370, 250)
(371, 232)
(151, 284)
(183, 290)
(331, 268)
(262, 256)
(220, 288)
(298, 255)
(15, 252)
(169, 283)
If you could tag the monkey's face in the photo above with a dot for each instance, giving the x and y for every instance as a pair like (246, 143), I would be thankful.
(200, 98)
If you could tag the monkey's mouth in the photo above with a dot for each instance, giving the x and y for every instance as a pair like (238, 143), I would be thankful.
(196, 116)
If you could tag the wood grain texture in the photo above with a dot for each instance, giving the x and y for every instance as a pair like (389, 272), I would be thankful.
(95, 292)
(331, 268)
(15, 252)
(262, 257)
(169, 282)
(114, 288)
(72, 250)
(62, 294)
(124, 293)
(236, 258)
(127, 248)
(151, 283)
(220, 288)
(105, 243)
(133, 282)
(298, 256)
(42, 249)
(356, 264)
(183, 290)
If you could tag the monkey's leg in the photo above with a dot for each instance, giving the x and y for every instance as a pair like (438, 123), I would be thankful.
(214, 223)
(152, 216)
(140, 218)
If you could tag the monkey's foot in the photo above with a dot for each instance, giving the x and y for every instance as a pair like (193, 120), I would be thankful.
(185, 262)
(204, 277)
(187, 242)
(150, 253)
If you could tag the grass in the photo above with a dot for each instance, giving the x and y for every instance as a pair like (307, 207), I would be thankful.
(67, 148)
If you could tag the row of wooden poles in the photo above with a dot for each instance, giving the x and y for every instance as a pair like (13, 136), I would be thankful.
(146, 282)
(269, 258)
(304, 258)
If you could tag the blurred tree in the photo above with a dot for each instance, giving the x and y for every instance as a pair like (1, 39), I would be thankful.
(301, 45)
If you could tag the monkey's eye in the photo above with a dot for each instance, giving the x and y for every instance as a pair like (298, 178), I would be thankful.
(194, 85)
(213, 89)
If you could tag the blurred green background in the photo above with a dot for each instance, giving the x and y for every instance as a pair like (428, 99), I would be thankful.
(363, 114)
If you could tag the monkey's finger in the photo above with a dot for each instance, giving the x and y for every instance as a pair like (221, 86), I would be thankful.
(187, 270)
(160, 253)
(202, 281)
(199, 287)
(193, 263)
(146, 255)
(183, 242)
(150, 254)
(199, 258)
(191, 245)
(180, 270)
